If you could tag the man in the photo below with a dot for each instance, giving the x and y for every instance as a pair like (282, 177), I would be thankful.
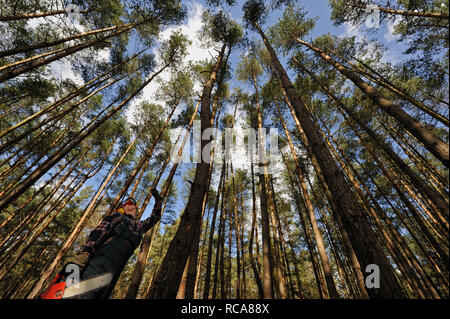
(112, 243)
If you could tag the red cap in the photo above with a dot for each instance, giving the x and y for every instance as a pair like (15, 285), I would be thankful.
(129, 201)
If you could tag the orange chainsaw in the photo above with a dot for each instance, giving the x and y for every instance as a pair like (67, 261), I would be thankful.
(65, 285)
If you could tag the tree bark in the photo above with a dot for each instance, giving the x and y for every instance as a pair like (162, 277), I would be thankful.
(167, 280)
(50, 162)
(211, 236)
(391, 87)
(254, 261)
(362, 236)
(56, 42)
(444, 257)
(145, 247)
(437, 15)
(439, 204)
(431, 142)
(33, 15)
(267, 251)
(311, 215)
(320, 281)
(61, 53)
(88, 85)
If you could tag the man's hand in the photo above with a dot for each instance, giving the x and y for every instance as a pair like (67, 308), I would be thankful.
(158, 203)
(156, 195)
(80, 259)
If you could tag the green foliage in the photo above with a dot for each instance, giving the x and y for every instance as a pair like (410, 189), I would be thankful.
(219, 2)
(426, 38)
(293, 24)
(184, 117)
(177, 89)
(249, 68)
(220, 28)
(254, 13)
(165, 11)
(173, 50)
(104, 12)
(422, 75)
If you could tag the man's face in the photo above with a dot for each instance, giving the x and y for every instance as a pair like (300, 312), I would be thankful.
(130, 209)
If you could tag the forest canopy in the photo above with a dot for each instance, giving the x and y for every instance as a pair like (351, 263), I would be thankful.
(301, 148)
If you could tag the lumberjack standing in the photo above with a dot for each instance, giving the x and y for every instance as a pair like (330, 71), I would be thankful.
(113, 241)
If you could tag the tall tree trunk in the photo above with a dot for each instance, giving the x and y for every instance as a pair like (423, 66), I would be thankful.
(244, 260)
(300, 289)
(230, 238)
(437, 15)
(402, 216)
(182, 287)
(415, 214)
(237, 231)
(398, 256)
(145, 247)
(211, 236)
(311, 215)
(193, 260)
(321, 286)
(144, 159)
(439, 204)
(167, 280)
(343, 275)
(218, 265)
(50, 162)
(34, 162)
(267, 253)
(326, 189)
(27, 273)
(79, 90)
(197, 285)
(76, 230)
(254, 261)
(431, 142)
(439, 182)
(56, 42)
(22, 154)
(415, 266)
(33, 15)
(37, 210)
(36, 193)
(361, 234)
(391, 87)
(47, 222)
(63, 53)
(279, 241)
(216, 109)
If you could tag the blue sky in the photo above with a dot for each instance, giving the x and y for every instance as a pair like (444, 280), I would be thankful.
(192, 25)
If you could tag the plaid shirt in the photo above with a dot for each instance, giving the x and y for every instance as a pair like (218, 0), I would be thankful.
(105, 229)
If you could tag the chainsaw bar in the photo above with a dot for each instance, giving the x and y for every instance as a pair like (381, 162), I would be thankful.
(87, 285)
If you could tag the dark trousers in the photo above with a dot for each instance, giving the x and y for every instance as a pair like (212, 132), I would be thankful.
(110, 258)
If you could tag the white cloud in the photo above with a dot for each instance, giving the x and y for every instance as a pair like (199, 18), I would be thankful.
(191, 30)
(62, 69)
(195, 51)
(352, 30)
(393, 51)
(389, 36)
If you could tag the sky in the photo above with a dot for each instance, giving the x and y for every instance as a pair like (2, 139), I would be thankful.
(191, 27)
(316, 8)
